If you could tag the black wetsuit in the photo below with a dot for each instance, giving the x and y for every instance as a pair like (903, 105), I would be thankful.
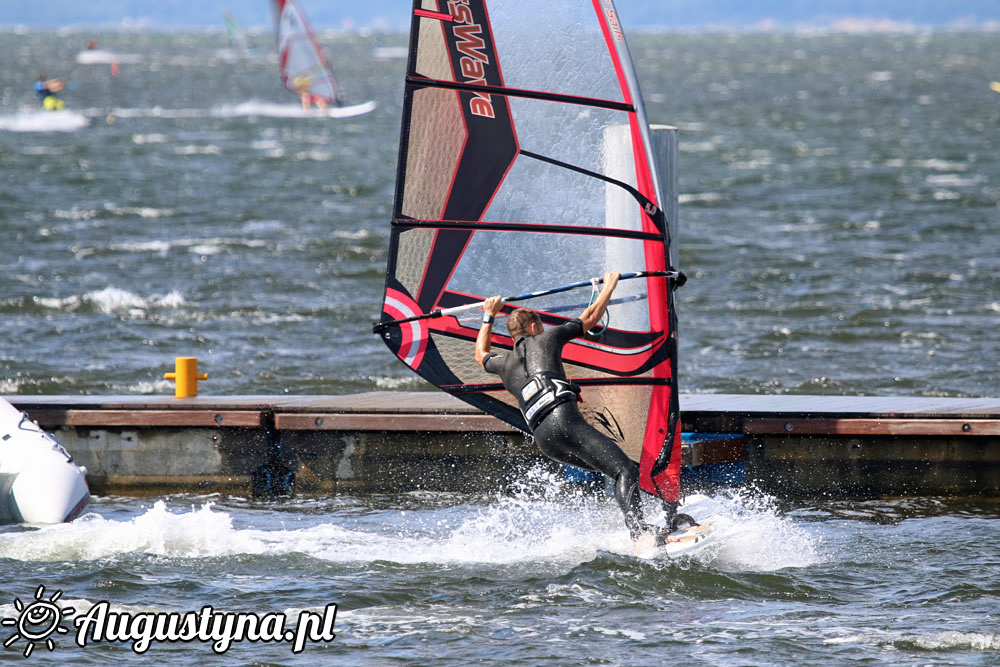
(558, 427)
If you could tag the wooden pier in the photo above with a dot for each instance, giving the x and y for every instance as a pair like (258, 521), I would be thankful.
(393, 441)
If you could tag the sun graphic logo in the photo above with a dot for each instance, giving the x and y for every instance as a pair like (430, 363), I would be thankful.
(39, 620)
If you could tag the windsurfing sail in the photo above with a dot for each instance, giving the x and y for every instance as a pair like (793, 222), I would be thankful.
(235, 33)
(304, 67)
(525, 161)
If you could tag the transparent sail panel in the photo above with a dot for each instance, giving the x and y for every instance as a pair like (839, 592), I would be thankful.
(555, 47)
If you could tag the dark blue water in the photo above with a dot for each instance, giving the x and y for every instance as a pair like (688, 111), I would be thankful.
(839, 203)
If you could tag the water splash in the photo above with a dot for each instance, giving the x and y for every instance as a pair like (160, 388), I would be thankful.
(201, 532)
(542, 522)
(762, 540)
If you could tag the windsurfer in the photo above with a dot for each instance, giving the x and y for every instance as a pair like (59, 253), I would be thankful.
(303, 86)
(533, 372)
(46, 90)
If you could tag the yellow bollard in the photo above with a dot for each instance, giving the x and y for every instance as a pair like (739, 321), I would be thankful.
(187, 376)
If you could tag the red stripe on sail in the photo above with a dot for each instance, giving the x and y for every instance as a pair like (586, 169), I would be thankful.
(427, 14)
(667, 483)
(609, 20)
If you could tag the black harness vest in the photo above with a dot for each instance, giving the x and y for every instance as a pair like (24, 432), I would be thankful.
(542, 391)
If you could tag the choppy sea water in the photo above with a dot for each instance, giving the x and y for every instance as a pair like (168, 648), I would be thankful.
(839, 201)
(839, 197)
(535, 577)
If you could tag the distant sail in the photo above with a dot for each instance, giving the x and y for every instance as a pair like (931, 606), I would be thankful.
(300, 57)
(525, 162)
(236, 34)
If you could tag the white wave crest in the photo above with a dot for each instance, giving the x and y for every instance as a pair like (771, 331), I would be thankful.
(199, 533)
(112, 300)
(977, 641)
(44, 121)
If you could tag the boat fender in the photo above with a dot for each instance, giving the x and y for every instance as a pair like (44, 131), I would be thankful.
(9, 511)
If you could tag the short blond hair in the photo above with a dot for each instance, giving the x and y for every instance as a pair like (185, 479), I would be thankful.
(519, 322)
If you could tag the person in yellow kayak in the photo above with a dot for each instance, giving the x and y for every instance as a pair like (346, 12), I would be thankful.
(303, 85)
(46, 90)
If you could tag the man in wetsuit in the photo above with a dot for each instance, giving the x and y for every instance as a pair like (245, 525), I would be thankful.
(533, 372)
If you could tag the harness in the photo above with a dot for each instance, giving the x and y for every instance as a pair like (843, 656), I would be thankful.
(542, 392)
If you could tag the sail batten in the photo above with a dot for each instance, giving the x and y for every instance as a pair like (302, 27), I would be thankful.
(530, 227)
(525, 161)
(480, 88)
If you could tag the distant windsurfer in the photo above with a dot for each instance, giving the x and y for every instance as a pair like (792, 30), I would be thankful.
(533, 372)
(303, 85)
(46, 90)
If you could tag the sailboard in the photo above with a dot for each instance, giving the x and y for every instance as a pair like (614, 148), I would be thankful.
(525, 161)
(303, 64)
(699, 523)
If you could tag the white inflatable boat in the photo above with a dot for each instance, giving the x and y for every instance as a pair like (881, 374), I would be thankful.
(39, 482)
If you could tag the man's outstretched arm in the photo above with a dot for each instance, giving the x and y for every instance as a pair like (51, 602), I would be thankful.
(491, 307)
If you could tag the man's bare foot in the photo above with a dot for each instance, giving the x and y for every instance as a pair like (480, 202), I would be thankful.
(647, 543)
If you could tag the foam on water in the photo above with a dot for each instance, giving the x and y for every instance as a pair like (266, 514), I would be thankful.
(207, 246)
(982, 641)
(104, 57)
(159, 112)
(157, 387)
(406, 382)
(152, 138)
(113, 300)
(761, 539)
(198, 533)
(197, 150)
(43, 121)
(112, 209)
(264, 109)
(9, 385)
(550, 526)
(948, 640)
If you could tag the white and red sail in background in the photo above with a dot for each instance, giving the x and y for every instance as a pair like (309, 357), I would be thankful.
(525, 162)
(304, 67)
